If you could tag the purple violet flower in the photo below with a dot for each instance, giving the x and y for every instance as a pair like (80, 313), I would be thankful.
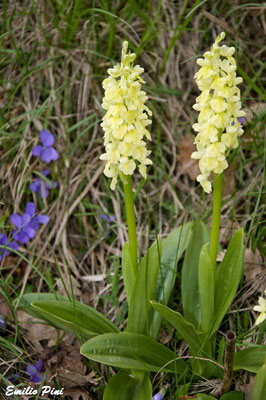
(41, 186)
(158, 396)
(108, 219)
(46, 151)
(4, 242)
(27, 224)
(34, 372)
(2, 323)
(240, 120)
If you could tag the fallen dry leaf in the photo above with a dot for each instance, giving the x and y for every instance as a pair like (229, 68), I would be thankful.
(37, 331)
(68, 357)
(69, 379)
(67, 365)
(186, 164)
(253, 264)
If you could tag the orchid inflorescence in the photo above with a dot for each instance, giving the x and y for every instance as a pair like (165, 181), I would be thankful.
(28, 223)
(126, 120)
(219, 105)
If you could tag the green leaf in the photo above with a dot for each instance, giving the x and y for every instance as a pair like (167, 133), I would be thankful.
(203, 396)
(206, 290)
(250, 359)
(259, 385)
(189, 284)
(126, 386)
(128, 272)
(187, 330)
(25, 303)
(198, 344)
(172, 249)
(233, 396)
(76, 317)
(144, 289)
(57, 310)
(228, 277)
(132, 351)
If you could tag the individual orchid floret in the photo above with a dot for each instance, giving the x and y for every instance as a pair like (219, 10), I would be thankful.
(46, 151)
(126, 120)
(220, 114)
(27, 224)
(41, 186)
(261, 308)
(5, 242)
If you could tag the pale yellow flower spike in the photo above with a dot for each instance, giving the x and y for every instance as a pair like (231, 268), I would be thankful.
(219, 109)
(126, 120)
(261, 308)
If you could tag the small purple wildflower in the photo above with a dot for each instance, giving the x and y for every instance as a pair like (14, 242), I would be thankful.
(2, 323)
(240, 120)
(4, 242)
(46, 151)
(42, 187)
(27, 224)
(158, 396)
(108, 219)
(35, 372)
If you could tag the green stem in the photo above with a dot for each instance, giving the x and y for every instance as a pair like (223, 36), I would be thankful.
(131, 222)
(216, 217)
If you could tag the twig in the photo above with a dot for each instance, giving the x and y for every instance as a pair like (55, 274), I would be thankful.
(228, 362)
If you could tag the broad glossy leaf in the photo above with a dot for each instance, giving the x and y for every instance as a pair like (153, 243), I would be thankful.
(172, 249)
(190, 272)
(144, 289)
(132, 351)
(76, 317)
(25, 303)
(128, 386)
(187, 330)
(206, 290)
(259, 385)
(198, 342)
(128, 272)
(250, 359)
(228, 277)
